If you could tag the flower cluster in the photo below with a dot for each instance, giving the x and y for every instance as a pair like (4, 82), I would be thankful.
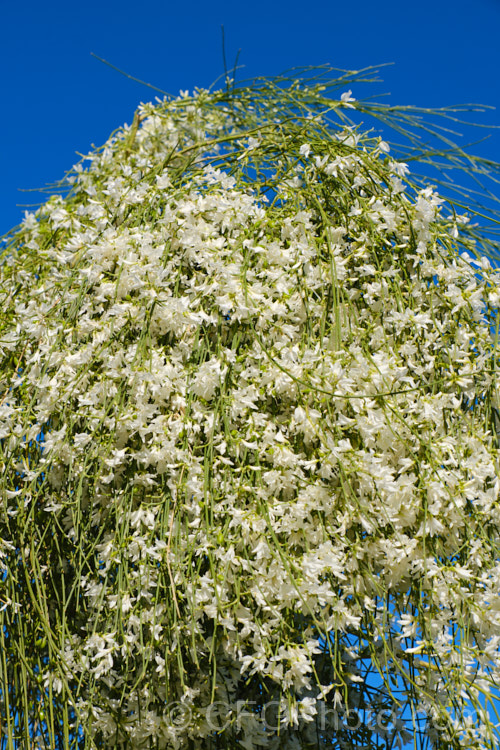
(248, 444)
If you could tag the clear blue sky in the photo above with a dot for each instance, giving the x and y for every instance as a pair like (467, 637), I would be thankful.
(56, 99)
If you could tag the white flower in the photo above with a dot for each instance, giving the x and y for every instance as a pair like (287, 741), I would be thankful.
(208, 379)
(346, 98)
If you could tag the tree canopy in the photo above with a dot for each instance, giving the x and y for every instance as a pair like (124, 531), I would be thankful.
(249, 490)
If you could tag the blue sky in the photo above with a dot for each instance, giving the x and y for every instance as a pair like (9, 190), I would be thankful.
(57, 99)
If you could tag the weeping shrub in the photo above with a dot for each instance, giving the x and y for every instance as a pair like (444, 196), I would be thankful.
(248, 448)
